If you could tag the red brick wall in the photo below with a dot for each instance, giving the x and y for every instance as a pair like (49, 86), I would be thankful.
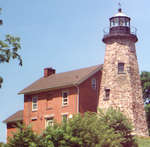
(49, 103)
(88, 98)
(11, 128)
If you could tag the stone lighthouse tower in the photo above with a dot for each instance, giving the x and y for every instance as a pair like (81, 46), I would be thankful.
(120, 84)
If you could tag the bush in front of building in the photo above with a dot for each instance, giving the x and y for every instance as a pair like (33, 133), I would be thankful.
(117, 121)
(80, 131)
(105, 129)
(24, 137)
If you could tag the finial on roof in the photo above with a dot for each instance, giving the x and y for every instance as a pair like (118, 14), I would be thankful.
(120, 9)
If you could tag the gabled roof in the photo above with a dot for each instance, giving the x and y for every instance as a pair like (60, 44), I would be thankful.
(18, 116)
(61, 80)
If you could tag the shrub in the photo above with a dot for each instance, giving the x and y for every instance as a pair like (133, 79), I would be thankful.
(24, 137)
(117, 121)
(105, 129)
(2, 144)
(80, 131)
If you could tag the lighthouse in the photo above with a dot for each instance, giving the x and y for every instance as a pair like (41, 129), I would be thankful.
(120, 86)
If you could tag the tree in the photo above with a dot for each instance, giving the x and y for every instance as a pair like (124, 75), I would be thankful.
(117, 121)
(145, 81)
(24, 137)
(9, 50)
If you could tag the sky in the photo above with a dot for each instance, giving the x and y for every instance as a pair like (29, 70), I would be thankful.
(63, 34)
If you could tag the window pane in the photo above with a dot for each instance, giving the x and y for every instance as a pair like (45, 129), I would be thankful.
(34, 100)
(64, 98)
(49, 121)
(120, 67)
(94, 83)
(34, 103)
(107, 94)
(65, 94)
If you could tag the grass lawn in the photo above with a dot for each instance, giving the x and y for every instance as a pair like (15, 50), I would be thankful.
(143, 141)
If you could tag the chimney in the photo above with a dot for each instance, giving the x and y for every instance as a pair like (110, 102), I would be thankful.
(48, 71)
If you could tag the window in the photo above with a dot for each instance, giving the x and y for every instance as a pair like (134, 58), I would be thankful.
(49, 121)
(34, 118)
(93, 82)
(34, 103)
(64, 117)
(107, 94)
(120, 67)
(64, 98)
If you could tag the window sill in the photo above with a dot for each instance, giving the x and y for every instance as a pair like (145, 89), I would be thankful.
(34, 118)
(121, 73)
(106, 99)
(34, 110)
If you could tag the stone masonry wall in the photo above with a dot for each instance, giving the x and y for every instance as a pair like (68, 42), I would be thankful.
(125, 88)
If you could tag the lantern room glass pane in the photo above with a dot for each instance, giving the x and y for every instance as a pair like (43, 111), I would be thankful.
(116, 20)
(120, 21)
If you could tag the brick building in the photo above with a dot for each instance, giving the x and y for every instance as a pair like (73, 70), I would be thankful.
(117, 84)
(58, 97)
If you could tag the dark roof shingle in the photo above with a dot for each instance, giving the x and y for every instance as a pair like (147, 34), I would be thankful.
(70, 78)
(18, 116)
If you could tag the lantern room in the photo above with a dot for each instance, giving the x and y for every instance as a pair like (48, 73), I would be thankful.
(120, 23)
(120, 28)
(120, 19)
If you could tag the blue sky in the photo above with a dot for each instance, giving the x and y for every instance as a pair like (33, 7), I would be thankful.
(63, 34)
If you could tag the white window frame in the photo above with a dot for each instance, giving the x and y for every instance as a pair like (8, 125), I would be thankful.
(34, 103)
(66, 98)
(94, 83)
(51, 119)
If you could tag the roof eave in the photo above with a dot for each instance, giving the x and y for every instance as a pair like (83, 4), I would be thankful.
(6, 122)
(47, 89)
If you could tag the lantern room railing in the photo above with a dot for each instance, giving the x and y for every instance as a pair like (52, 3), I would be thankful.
(107, 31)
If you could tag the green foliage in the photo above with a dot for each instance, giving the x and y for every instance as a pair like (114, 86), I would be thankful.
(80, 131)
(120, 125)
(24, 137)
(1, 81)
(89, 131)
(145, 81)
(9, 50)
(105, 129)
(143, 141)
(2, 144)
(53, 136)
(147, 110)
